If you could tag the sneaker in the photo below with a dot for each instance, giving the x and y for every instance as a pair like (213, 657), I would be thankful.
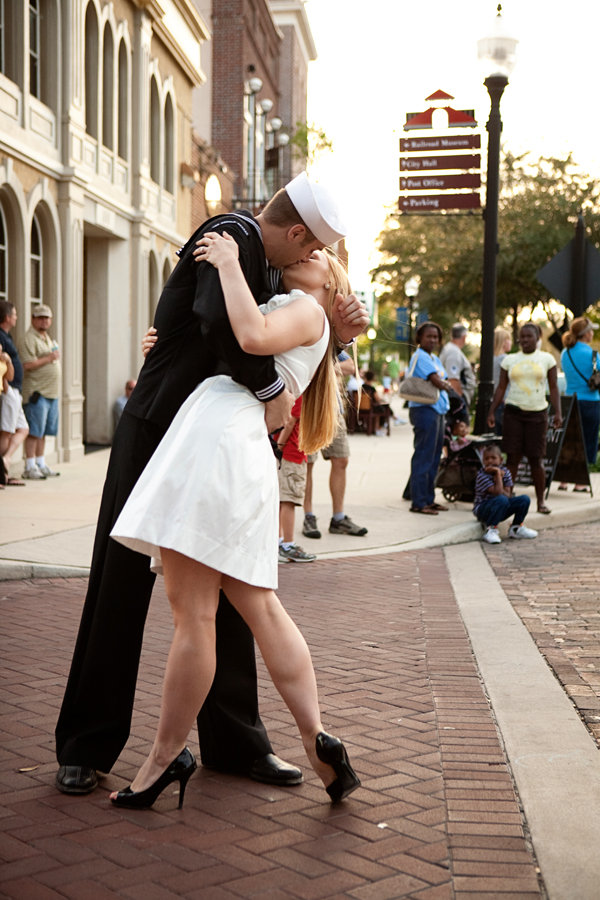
(34, 474)
(491, 536)
(281, 557)
(521, 531)
(295, 554)
(346, 526)
(47, 472)
(309, 528)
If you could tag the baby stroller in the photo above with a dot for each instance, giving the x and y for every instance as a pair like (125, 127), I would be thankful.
(457, 473)
(458, 469)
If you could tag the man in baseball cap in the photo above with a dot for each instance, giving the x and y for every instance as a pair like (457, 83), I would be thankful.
(41, 385)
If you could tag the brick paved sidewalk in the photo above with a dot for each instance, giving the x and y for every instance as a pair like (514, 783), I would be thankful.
(437, 816)
(554, 586)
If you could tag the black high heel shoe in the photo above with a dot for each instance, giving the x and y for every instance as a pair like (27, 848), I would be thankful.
(330, 750)
(180, 770)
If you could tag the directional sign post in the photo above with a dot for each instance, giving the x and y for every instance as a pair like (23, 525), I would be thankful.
(441, 190)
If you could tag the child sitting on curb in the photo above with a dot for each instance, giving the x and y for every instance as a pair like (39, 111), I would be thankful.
(494, 499)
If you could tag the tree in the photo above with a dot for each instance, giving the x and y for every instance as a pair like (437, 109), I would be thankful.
(308, 141)
(537, 213)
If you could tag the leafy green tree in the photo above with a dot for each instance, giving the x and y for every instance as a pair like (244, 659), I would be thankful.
(308, 141)
(537, 212)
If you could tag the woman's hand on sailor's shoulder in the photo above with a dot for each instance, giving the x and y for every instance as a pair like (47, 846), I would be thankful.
(216, 249)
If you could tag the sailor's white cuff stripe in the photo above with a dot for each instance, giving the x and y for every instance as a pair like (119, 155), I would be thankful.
(272, 391)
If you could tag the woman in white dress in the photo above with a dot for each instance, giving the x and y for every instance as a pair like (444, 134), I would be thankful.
(206, 510)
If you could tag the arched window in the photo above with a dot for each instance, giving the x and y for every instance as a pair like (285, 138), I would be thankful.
(169, 181)
(34, 48)
(166, 272)
(107, 88)
(3, 258)
(36, 291)
(154, 132)
(123, 101)
(91, 71)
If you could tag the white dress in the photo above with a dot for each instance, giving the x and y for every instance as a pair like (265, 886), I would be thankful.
(210, 490)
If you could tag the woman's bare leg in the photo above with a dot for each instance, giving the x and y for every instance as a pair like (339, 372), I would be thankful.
(193, 592)
(287, 658)
(538, 476)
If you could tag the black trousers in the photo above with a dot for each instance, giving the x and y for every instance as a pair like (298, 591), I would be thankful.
(95, 717)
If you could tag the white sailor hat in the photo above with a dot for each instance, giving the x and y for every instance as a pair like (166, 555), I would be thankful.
(317, 208)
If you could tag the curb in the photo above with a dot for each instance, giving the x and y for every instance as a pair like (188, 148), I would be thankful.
(465, 532)
(22, 571)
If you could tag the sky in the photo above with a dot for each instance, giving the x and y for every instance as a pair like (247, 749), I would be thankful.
(379, 59)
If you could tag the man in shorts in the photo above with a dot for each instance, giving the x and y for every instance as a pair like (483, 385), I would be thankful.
(41, 384)
(338, 454)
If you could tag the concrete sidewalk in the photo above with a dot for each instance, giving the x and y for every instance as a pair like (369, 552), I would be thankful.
(461, 677)
(47, 527)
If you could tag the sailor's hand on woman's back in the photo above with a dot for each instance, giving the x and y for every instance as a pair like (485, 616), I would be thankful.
(149, 340)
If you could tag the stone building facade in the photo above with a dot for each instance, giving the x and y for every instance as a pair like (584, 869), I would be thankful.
(95, 127)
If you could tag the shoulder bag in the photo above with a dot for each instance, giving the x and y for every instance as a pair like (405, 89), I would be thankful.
(419, 390)
(593, 382)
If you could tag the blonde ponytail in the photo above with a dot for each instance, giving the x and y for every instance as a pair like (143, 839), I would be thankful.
(321, 403)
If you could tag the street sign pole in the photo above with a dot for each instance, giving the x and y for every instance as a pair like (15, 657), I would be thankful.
(495, 85)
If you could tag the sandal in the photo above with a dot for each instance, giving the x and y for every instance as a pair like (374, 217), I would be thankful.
(15, 482)
(544, 510)
(580, 490)
(425, 510)
(439, 506)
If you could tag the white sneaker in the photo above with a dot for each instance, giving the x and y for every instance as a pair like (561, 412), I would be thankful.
(47, 472)
(34, 474)
(521, 531)
(491, 536)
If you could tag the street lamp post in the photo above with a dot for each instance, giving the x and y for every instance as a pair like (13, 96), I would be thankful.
(411, 289)
(498, 50)
(254, 85)
(276, 141)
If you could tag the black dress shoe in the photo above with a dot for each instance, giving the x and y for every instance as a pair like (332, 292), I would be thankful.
(76, 779)
(270, 769)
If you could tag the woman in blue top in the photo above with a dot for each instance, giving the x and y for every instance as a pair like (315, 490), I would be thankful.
(577, 363)
(427, 421)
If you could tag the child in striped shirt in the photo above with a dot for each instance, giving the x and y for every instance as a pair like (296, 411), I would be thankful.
(495, 501)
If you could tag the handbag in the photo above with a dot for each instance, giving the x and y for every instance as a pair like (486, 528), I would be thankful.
(419, 390)
(593, 382)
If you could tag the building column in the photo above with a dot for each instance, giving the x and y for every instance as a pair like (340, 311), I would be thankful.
(70, 210)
